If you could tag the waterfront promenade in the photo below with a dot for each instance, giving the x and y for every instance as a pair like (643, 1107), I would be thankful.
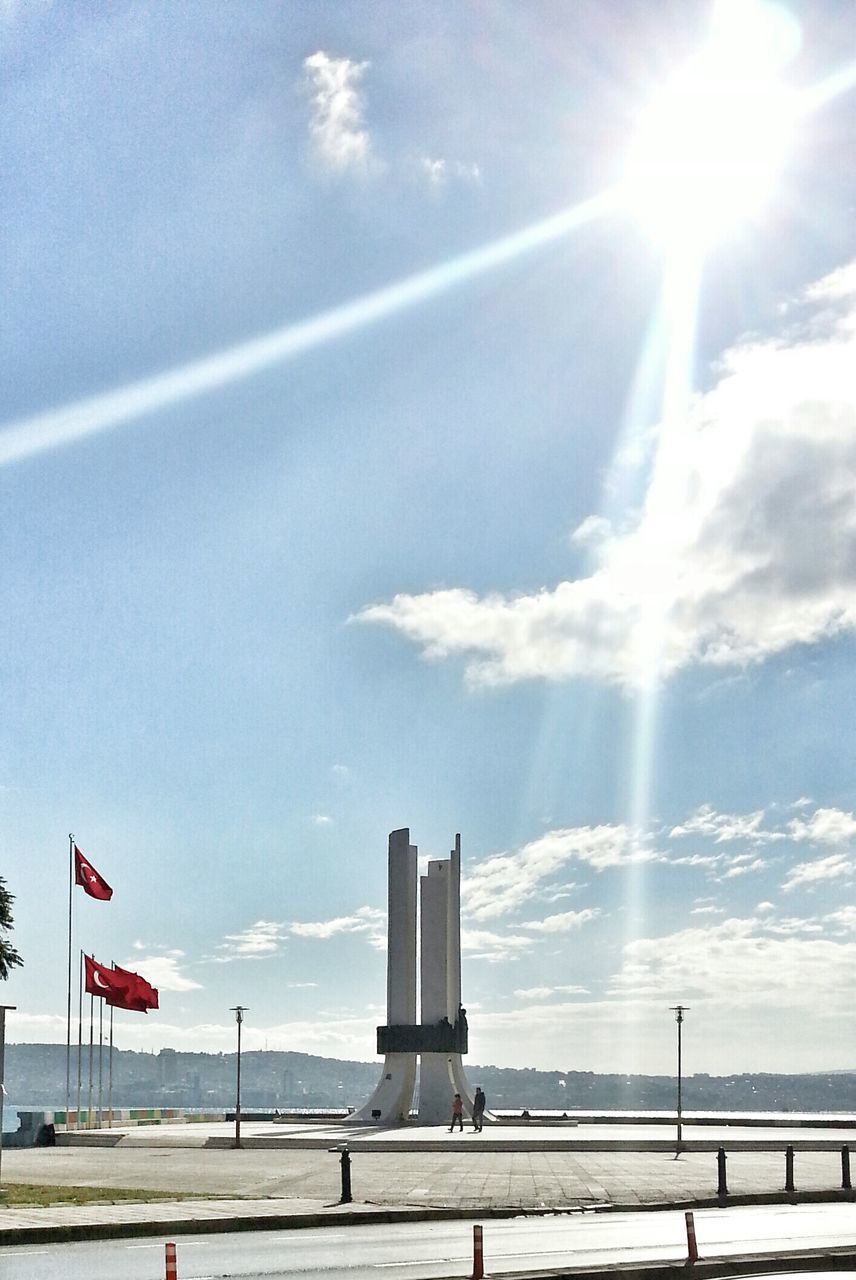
(289, 1174)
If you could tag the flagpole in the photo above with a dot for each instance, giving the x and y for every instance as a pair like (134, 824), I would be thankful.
(79, 1038)
(68, 1002)
(110, 1073)
(100, 1061)
(91, 1047)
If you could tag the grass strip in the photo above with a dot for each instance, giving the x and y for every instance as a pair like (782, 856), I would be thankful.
(20, 1194)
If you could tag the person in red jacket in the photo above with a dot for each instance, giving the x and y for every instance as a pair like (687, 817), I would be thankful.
(457, 1113)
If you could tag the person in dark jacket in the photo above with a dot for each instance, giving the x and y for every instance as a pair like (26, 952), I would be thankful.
(478, 1110)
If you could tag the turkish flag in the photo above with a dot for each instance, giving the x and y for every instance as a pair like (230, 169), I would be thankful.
(144, 995)
(101, 981)
(88, 878)
(125, 1000)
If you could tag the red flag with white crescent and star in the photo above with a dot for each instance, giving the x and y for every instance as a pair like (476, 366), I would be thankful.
(89, 879)
(101, 981)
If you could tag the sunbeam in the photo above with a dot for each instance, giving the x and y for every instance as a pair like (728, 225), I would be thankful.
(98, 413)
(676, 329)
(815, 98)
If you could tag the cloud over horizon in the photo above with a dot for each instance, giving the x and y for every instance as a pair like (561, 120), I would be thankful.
(746, 552)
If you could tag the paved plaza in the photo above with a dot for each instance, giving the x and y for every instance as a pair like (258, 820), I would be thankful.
(276, 1177)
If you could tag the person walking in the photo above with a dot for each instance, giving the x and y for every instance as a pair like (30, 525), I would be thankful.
(478, 1110)
(457, 1113)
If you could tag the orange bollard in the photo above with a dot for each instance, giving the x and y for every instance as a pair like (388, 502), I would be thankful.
(692, 1247)
(171, 1273)
(478, 1254)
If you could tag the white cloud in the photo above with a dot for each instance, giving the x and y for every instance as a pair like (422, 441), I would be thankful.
(434, 170)
(367, 920)
(740, 867)
(163, 971)
(468, 171)
(825, 826)
(338, 133)
(541, 993)
(591, 532)
(506, 881)
(745, 546)
(844, 920)
(322, 820)
(260, 940)
(835, 867)
(483, 944)
(724, 827)
(794, 925)
(741, 963)
(698, 860)
(438, 171)
(564, 922)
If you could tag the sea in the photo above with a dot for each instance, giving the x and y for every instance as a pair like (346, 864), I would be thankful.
(10, 1118)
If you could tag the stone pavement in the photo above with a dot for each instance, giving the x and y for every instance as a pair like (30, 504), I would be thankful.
(286, 1183)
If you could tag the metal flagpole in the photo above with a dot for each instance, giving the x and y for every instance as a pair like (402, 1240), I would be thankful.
(79, 1038)
(91, 1048)
(68, 1005)
(110, 1073)
(100, 1060)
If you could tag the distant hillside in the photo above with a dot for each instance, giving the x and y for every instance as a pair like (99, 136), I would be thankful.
(35, 1076)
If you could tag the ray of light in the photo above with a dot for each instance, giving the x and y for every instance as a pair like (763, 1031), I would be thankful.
(679, 308)
(676, 323)
(816, 97)
(60, 426)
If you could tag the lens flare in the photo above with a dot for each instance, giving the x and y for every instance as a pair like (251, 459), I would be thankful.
(710, 146)
(136, 400)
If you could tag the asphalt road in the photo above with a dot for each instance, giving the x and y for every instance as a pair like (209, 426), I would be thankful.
(429, 1251)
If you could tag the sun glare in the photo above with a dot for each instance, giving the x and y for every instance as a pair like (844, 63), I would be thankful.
(709, 147)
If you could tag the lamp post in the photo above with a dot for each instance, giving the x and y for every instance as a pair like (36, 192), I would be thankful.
(239, 1010)
(3, 1010)
(679, 1010)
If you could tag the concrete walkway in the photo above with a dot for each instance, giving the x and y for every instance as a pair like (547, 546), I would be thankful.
(625, 1136)
(277, 1180)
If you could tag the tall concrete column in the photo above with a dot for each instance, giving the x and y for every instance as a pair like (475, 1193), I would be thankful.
(441, 1074)
(391, 1101)
(401, 930)
(453, 932)
(435, 1079)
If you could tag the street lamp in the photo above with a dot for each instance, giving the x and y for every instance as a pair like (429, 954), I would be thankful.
(239, 1010)
(679, 1010)
(3, 1009)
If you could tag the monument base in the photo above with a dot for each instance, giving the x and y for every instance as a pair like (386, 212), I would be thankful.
(391, 1100)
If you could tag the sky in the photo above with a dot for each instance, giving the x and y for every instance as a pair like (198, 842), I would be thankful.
(444, 417)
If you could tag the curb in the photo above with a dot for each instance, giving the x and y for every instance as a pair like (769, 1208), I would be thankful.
(334, 1215)
(709, 1268)
(63, 1234)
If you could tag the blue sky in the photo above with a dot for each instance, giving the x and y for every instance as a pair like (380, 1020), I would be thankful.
(379, 447)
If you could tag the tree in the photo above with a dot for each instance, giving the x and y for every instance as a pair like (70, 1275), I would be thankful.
(8, 955)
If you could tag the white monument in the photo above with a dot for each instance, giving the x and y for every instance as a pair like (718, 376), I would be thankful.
(440, 1038)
